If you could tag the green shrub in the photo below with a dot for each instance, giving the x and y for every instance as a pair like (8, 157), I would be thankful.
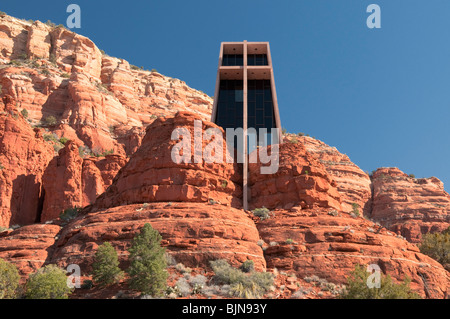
(23, 56)
(247, 266)
(63, 140)
(49, 282)
(262, 213)
(9, 280)
(355, 209)
(69, 214)
(24, 113)
(16, 62)
(252, 285)
(437, 246)
(50, 120)
(134, 67)
(153, 70)
(65, 75)
(357, 287)
(50, 24)
(106, 269)
(148, 264)
(87, 284)
(45, 72)
(412, 175)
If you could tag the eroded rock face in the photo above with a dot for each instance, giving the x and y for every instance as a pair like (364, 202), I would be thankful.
(193, 233)
(71, 181)
(300, 180)
(409, 206)
(94, 97)
(28, 247)
(23, 157)
(151, 175)
(329, 245)
(353, 184)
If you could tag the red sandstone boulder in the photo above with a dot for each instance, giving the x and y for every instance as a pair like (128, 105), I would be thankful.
(318, 242)
(28, 247)
(353, 184)
(299, 180)
(193, 233)
(152, 176)
(409, 206)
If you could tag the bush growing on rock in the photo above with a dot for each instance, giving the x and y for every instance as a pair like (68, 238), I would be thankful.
(148, 264)
(106, 269)
(262, 213)
(9, 280)
(49, 282)
(357, 287)
(437, 246)
(242, 285)
(50, 120)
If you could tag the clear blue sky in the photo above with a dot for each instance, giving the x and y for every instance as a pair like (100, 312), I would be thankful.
(380, 96)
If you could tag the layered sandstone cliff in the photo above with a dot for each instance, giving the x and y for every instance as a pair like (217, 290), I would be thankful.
(409, 206)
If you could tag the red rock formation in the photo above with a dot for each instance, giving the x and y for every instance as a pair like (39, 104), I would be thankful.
(318, 242)
(151, 175)
(28, 247)
(409, 206)
(89, 94)
(193, 233)
(23, 158)
(300, 180)
(71, 181)
(353, 184)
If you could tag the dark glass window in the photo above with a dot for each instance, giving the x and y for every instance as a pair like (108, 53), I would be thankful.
(257, 59)
(232, 59)
(259, 105)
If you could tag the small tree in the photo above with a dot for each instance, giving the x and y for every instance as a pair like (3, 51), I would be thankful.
(49, 282)
(9, 280)
(148, 264)
(51, 120)
(437, 246)
(357, 287)
(24, 113)
(106, 269)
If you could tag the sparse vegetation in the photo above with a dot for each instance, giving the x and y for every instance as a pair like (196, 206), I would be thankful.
(289, 241)
(65, 75)
(69, 214)
(9, 280)
(134, 67)
(50, 24)
(148, 264)
(412, 176)
(154, 70)
(262, 213)
(50, 120)
(24, 113)
(247, 266)
(224, 184)
(437, 246)
(106, 269)
(242, 285)
(63, 140)
(357, 287)
(355, 209)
